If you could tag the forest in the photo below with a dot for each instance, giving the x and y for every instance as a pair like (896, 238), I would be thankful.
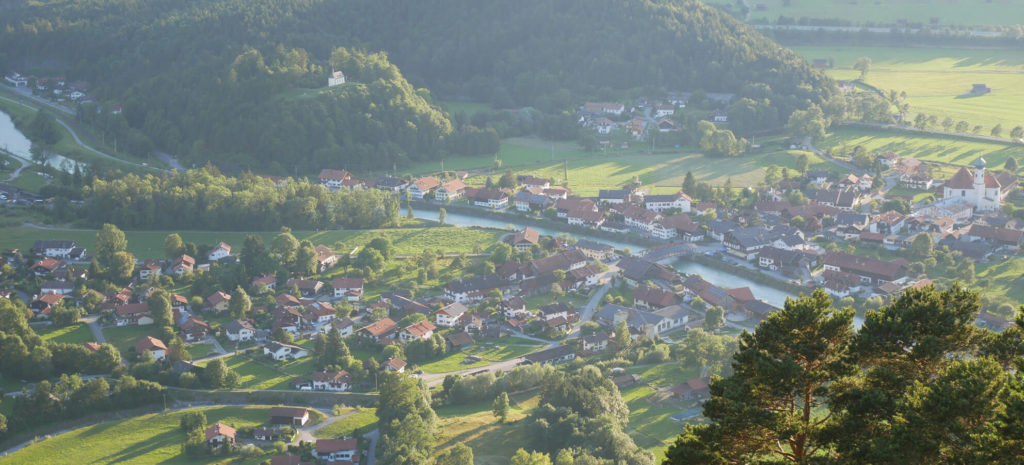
(240, 83)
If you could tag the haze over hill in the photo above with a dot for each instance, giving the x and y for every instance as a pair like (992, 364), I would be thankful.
(238, 82)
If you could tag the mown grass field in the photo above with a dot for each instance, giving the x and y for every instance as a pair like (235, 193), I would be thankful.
(938, 80)
(949, 12)
(468, 108)
(361, 420)
(1005, 280)
(493, 443)
(150, 244)
(945, 149)
(125, 337)
(489, 352)
(29, 180)
(267, 374)
(590, 172)
(73, 334)
(651, 424)
(143, 440)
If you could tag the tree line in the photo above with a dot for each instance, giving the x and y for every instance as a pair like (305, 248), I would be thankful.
(206, 199)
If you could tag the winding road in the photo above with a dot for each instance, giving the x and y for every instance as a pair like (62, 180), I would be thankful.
(74, 134)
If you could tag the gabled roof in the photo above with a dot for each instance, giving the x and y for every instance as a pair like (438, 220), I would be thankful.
(150, 343)
(334, 175)
(426, 183)
(220, 429)
(235, 326)
(217, 297)
(331, 377)
(420, 328)
(453, 310)
(528, 235)
(380, 328)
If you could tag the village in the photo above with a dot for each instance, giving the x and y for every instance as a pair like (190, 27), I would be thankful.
(537, 299)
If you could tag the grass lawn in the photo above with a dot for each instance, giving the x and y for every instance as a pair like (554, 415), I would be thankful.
(363, 420)
(650, 423)
(125, 337)
(199, 350)
(925, 147)
(30, 181)
(493, 443)
(937, 80)
(949, 12)
(73, 334)
(147, 439)
(149, 244)
(912, 193)
(489, 352)
(267, 374)
(1005, 280)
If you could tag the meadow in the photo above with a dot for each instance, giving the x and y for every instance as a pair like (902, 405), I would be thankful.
(150, 244)
(945, 149)
(125, 337)
(72, 334)
(143, 440)
(362, 420)
(490, 352)
(474, 425)
(587, 173)
(938, 80)
(949, 12)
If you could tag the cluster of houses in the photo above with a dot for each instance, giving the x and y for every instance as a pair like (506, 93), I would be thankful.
(336, 451)
(658, 115)
(54, 87)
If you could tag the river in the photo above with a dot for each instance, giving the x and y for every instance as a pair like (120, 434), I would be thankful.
(12, 140)
(719, 278)
(15, 143)
(460, 219)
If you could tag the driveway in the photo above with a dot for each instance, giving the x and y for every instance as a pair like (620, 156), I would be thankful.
(94, 325)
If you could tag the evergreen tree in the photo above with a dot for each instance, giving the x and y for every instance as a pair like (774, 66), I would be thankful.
(501, 407)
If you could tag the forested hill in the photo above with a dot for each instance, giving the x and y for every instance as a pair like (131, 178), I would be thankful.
(226, 80)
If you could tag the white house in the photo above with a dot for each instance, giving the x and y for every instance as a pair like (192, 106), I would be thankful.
(152, 345)
(222, 250)
(351, 289)
(449, 315)
(219, 434)
(333, 179)
(664, 110)
(418, 331)
(336, 78)
(421, 187)
(660, 203)
(336, 450)
(239, 330)
(450, 190)
(279, 351)
(331, 381)
(55, 249)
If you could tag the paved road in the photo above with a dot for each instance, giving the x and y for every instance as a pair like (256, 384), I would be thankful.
(22, 165)
(587, 312)
(75, 134)
(170, 160)
(371, 455)
(305, 434)
(94, 325)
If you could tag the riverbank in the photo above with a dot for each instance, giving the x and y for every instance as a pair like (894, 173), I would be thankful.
(619, 241)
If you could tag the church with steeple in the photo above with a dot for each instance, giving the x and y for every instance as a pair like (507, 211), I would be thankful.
(985, 192)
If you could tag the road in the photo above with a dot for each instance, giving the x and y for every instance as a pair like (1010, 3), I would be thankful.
(587, 312)
(934, 132)
(22, 164)
(71, 130)
(94, 325)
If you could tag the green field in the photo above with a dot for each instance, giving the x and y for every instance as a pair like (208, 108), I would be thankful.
(1005, 280)
(29, 180)
(949, 12)
(489, 353)
(590, 172)
(143, 440)
(267, 374)
(361, 420)
(493, 443)
(149, 244)
(650, 423)
(925, 147)
(125, 337)
(937, 80)
(73, 334)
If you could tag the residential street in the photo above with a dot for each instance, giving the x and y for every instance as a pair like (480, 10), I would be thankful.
(94, 325)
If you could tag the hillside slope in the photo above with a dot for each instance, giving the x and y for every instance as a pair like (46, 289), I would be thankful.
(238, 81)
